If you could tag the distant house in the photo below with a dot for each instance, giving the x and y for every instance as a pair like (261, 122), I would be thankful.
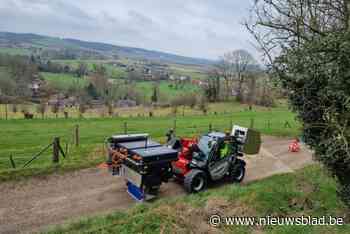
(35, 87)
(200, 83)
(96, 103)
(180, 79)
(126, 103)
(185, 78)
(195, 82)
(130, 68)
(118, 64)
(71, 101)
(62, 102)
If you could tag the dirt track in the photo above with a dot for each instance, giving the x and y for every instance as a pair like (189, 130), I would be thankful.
(32, 205)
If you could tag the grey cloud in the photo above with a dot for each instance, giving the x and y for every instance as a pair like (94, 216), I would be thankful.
(201, 28)
(140, 18)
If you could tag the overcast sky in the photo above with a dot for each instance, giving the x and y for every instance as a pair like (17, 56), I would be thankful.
(198, 28)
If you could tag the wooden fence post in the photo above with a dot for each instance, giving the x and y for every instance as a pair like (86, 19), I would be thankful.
(56, 150)
(67, 148)
(77, 135)
(251, 123)
(287, 125)
(12, 162)
(125, 128)
(210, 127)
(6, 111)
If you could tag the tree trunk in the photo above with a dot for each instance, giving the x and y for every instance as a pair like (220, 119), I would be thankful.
(347, 14)
(217, 91)
(239, 95)
(6, 111)
(252, 91)
(227, 89)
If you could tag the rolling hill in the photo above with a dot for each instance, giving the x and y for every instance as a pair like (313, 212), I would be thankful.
(17, 42)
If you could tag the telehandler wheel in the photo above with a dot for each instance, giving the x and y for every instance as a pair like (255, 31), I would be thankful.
(195, 181)
(237, 172)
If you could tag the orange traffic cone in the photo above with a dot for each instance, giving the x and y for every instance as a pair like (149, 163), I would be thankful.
(294, 146)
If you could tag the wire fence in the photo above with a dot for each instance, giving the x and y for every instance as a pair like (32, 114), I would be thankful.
(43, 154)
(88, 133)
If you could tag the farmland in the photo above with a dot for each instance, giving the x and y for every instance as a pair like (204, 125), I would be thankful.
(23, 138)
(194, 72)
(64, 81)
(166, 89)
(112, 71)
(14, 51)
(129, 112)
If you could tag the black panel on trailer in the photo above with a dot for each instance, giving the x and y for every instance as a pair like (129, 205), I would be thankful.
(156, 154)
(128, 138)
(138, 144)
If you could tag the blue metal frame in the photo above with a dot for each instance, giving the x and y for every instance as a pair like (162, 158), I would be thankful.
(135, 192)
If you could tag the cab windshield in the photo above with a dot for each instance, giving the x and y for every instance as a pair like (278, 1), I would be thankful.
(205, 146)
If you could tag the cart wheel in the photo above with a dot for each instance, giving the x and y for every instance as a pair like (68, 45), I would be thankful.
(238, 171)
(195, 181)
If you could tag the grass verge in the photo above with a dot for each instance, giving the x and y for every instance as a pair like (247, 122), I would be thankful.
(307, 192)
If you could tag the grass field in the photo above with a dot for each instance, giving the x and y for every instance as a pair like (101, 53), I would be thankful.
(112, 72)
(64, 81)
(307, 192)
(4, 73)
(24, 138)
(138, 111)
(166, 90)
(194, 72)
(14, 51)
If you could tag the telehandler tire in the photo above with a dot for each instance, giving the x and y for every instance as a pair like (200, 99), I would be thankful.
(195, 181)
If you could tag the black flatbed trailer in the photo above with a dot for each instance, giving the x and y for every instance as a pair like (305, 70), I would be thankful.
(146, 166)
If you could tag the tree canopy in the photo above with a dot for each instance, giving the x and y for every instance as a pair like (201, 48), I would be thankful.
(307, 44)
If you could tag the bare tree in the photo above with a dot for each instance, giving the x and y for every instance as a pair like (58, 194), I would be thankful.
(225, 69)
(203, 104)
(155, 94)
(110, 108)
(55, 108)
(251, 83)
(233, 67)
(82, 109)
(212, 90)
(306, 43)
(135, 75)
(41, 109)
(82, 70)
(99, 80)
(280, 24)
(14, 108)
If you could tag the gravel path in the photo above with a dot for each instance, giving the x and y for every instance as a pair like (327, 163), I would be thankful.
(32, 205)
